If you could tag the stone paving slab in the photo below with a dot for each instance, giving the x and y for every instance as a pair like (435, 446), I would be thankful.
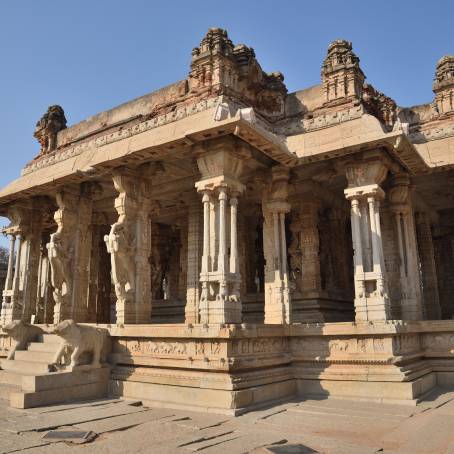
(200, 421)
(123, 422)
(74, 416)
(319, 426)
(70, 406)
(18, 442)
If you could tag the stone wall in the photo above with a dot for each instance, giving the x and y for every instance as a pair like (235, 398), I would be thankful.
(234, 369)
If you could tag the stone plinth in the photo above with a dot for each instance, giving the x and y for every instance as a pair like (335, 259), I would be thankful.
(232, 369)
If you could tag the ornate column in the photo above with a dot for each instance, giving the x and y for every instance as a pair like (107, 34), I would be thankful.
(129, 245)
(365, 194)
(19, 296)
(69, 254)
(311, 282)
(194, 256)
(275, 207)
(220, 277)
(9, 278)
(431, 297)
(399, 197)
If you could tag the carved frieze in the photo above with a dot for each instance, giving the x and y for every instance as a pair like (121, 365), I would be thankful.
(102, 140)
(260, 346)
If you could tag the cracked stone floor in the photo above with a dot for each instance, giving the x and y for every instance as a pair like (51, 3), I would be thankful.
(309, 426)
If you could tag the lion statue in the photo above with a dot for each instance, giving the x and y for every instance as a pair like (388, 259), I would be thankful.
(22, 333)
(83, 341)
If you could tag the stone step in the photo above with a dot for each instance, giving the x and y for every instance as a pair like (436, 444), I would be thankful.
(10, 378)
(34, 357)
(42, 347)
(49, 338)
(7, 390)
(25, 367)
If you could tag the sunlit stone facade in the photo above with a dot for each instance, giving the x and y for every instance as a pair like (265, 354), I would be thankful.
(243, 244)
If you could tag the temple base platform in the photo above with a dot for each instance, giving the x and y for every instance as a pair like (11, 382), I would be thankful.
(232, 369)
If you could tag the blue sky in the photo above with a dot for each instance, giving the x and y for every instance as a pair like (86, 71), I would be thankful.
(89, 56)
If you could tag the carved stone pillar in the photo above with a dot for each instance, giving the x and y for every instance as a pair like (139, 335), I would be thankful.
(431, 298)
(399, 197)
(9, 277)
(100, 282)
(220, 277)
(129, 245)
(194, 237)
(275, 207)
(69, 254)
(311, 282)
(365, 194)
(19, 296)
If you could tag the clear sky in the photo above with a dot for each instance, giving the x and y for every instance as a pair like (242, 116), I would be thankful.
(91, 55)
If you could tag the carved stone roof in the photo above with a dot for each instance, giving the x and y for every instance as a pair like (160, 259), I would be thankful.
(218, 67)
(444, 74)
(339, 56)
(214, 42)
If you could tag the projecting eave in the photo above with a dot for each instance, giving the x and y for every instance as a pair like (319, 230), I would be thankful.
(350, 137)
(139, 145)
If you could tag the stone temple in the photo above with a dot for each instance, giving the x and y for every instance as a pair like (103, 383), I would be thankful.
(222, 244)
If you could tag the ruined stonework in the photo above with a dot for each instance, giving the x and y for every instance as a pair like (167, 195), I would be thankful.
(47, 128)
(229, 236)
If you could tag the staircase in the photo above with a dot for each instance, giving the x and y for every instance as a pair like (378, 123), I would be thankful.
(38, 357)
(31, 380)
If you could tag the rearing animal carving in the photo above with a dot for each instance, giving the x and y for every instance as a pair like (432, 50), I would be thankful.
(121, 252)
(59, 258)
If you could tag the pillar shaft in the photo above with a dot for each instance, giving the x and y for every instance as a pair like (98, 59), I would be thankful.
(371, 296)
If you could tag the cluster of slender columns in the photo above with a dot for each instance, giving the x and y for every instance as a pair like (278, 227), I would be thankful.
(11, 291)
(371, 293)
(220, 276)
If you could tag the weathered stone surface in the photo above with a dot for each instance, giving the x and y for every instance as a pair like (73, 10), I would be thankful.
(221, 201)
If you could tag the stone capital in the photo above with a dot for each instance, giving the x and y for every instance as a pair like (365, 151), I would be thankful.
(278, 207)
(366, 172)
(215, 183)
(399, 193)
(364, 192)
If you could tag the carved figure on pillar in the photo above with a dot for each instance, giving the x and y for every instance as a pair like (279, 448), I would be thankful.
(129, 245)
(121, 248)
(60, 262)
(61, 254)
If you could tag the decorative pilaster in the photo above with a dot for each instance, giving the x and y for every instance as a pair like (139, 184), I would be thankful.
(399, 197)
(311, 282)
(193, 258)
(365, 194)
(129, 245)
(275, 207)
(431, 297)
